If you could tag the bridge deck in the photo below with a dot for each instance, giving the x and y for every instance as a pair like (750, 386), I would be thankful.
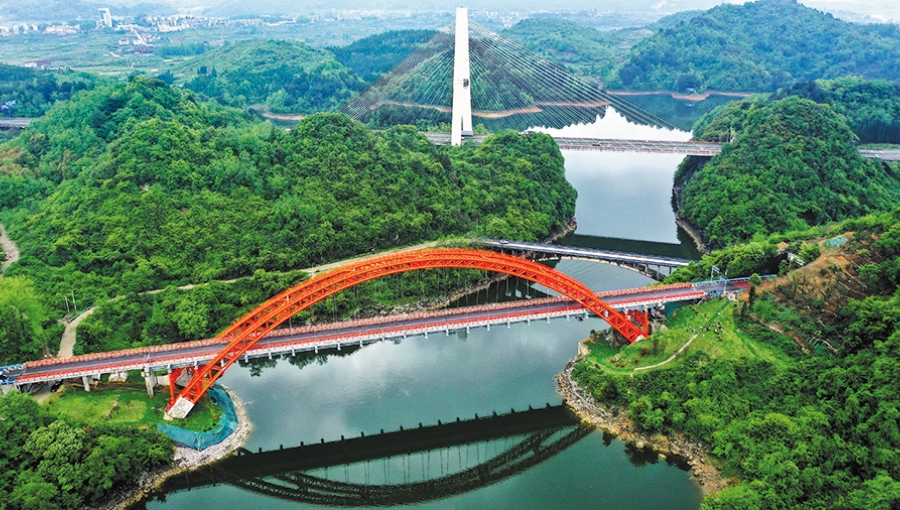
(585, 253)
(689, 148)
(354, 333)
(15, 122)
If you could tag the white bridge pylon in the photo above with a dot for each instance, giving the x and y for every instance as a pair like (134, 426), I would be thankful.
(461, 122)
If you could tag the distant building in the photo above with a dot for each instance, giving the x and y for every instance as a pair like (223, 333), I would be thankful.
(64, 29)
(106, 19)
(39, 64)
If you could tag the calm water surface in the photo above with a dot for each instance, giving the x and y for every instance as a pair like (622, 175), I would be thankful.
(622, 198)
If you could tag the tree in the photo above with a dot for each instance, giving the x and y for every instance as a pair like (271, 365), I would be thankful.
(22, 316)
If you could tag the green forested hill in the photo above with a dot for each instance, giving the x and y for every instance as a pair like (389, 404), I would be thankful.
(284, 76)
(815, 427)
(136, 186)
(583, 49)
(375, 55)
(872, 108)
(35, 91)
(792, 164)
(759, 46)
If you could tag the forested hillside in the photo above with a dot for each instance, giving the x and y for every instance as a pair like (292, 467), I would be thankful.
(51, 464)
(35, 91)
(815, 427)
(759, 46)
(872, 108)
(137, 186)
(375, 55)
(585, 50)
(283, 76)
(790, 164)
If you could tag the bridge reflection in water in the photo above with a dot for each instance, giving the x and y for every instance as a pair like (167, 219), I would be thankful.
(402, 467)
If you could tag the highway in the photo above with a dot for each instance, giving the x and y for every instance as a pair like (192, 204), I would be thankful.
(355, 333)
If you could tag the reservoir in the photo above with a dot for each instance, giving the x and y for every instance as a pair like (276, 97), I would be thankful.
(623, 203)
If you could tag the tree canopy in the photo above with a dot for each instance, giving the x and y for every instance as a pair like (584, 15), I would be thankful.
(284, 76)
(371, 57)
(871, 107)
(36, 91)
(792, 164)
(50, 464)
(759, 46)
(813, 429)
(137, 186)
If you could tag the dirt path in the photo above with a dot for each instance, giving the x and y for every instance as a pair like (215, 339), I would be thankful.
(67, 342)
(9, 248)
(672, 357)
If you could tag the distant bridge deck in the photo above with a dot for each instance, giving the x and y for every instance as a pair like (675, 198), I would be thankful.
(574, 252)
(357, 333)
(689, 148)
(14, 122)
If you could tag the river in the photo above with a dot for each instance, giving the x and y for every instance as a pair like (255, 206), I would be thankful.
(623, 203)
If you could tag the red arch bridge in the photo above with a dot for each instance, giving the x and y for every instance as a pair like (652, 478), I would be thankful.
(255, 334)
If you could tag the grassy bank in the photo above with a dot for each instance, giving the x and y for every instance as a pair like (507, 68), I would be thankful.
(709, 326)
(126, 404)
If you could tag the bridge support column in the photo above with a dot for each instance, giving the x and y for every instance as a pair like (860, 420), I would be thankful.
(461, 116)
(149, 381)
(87, 380)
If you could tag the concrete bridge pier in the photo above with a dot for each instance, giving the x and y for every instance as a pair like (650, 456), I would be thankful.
(149, 380)
(88, 380)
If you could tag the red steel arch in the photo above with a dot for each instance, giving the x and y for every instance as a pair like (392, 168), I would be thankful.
(253, 326)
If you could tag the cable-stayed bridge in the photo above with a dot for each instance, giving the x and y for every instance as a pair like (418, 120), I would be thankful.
(474, 76)
(468, 75)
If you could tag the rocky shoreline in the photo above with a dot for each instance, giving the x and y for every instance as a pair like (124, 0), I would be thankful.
(184, 460)
(616, 422)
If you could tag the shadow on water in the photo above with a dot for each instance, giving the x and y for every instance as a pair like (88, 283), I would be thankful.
(294, 474)
(642, 457)
(256, 366)
(301, 473)
(686, 249)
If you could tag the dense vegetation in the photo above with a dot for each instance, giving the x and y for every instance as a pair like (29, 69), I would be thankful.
(872, 108)
(138, 186)
(759, 46)
(48, 463)
(22, 319)
(375, 55)
(284, 76)
(582, 49)
(820, 431)
(36, 91)
(792, 164)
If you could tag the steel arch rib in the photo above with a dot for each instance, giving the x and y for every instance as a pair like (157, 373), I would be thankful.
(256, 324)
